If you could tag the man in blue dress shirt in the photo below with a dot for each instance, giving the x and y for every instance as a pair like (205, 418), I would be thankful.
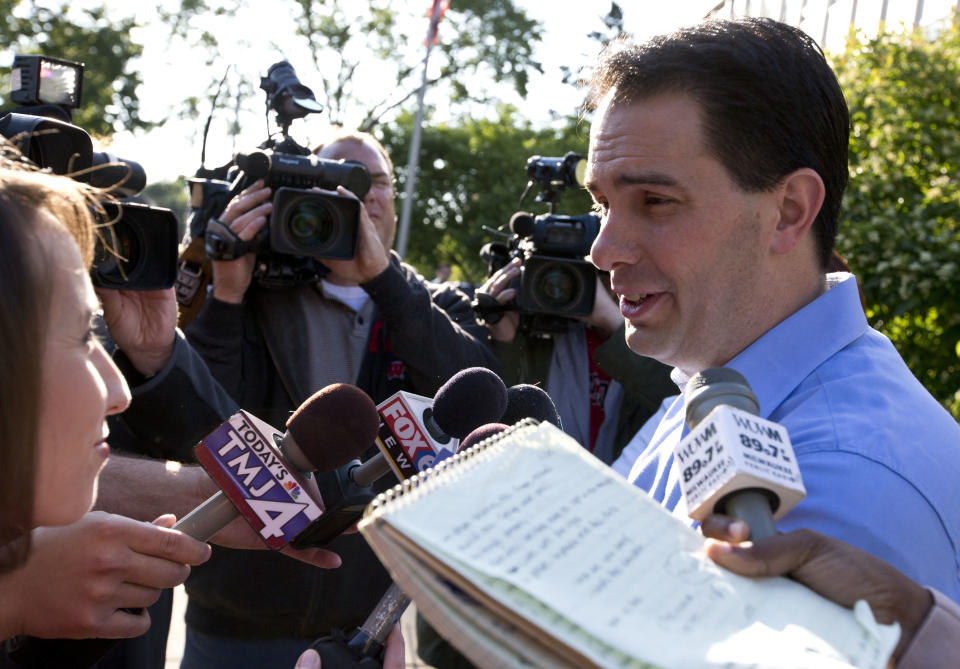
(718, 158)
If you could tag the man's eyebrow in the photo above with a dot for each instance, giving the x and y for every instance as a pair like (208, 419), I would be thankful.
(638, 179)
(646, 178)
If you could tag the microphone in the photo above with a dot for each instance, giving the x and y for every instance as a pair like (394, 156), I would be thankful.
(415, 433)
(523, 401)
(481, 433)
(528, 401)
(265, 476)
(464, 407)
(732, 461)
(468, 399)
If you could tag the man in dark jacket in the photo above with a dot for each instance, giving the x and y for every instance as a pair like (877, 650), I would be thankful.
(372, 321)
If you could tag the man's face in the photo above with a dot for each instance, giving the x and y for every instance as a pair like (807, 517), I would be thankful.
(379, 199)
(685, 246)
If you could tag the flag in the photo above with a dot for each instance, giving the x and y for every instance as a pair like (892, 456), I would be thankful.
(437, 9)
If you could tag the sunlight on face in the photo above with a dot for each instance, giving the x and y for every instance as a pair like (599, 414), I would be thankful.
(80, 387)
(681, 240)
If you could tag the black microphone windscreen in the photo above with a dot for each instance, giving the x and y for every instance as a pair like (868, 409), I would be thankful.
(527, 401)
(334, 426)
(471, 398)
(480, 434)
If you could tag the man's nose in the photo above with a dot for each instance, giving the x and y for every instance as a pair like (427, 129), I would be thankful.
(603, 252)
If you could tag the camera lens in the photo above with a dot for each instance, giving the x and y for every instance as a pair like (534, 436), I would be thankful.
(117, 258)
(311, 225)
(556, 286)
(314, 225)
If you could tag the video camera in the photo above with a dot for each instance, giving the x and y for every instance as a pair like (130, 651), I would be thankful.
(304, 225)
(556, 284)
(139, 251)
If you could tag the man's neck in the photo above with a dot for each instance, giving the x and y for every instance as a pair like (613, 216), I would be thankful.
(339, 280)
(797, 298)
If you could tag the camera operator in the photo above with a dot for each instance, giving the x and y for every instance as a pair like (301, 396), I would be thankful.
(372, 321)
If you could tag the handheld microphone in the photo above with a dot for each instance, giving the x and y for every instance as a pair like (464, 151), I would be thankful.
(265, 476)
(469, 398)
(523, 401)
(481, 433)
(528, 401)
(463, 390)
(732, 461)
(415, 433)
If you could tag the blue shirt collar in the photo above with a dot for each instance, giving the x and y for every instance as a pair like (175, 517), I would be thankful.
(777, 362)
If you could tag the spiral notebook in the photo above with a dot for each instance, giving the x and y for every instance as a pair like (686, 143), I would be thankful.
(527, 551)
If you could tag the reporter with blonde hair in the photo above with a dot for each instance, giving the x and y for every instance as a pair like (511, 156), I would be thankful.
(57, 386)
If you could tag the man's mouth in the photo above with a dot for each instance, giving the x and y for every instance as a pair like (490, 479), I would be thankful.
(636, 306)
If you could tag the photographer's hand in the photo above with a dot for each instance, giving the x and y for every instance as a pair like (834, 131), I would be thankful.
(371, 257)
(498, 287)
(142, 323)
(605, 317)
(246, 214)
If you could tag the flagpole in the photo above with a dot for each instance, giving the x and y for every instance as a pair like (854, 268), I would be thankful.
(413, 158)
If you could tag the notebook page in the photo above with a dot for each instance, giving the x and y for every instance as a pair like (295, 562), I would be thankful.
(539, 524)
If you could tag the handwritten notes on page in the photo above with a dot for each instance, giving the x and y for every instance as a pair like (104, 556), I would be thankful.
(541, 526)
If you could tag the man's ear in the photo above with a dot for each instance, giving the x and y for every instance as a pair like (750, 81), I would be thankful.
(801, 195)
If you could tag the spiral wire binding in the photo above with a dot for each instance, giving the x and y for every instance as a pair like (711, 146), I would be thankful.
(445, 470)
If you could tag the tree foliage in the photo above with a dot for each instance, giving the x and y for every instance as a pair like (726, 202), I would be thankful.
(492, 38)
(613, 27)
(172, 195)
(352, 45)
(94, 37)
(472, 173)
(901, 227)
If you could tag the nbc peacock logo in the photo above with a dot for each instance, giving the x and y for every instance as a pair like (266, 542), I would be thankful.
(292, 488)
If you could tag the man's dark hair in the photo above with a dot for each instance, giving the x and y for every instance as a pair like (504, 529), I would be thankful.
(770, 102)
